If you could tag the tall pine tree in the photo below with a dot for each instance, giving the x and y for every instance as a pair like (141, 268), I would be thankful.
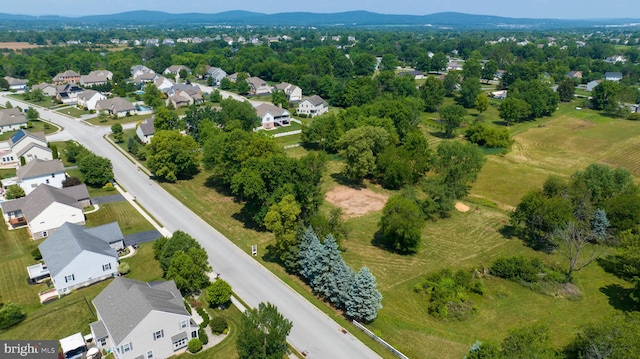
(364, 299)
(303, 248)
(343, 277)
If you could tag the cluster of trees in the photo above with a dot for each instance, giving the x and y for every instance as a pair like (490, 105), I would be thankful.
(488, 136)
(449, 293)
(172, 156)
(613, 338)
(263, 333)
(10, 314)
(183, 259)
(612, 97)
(572, 215)
(528, 100)
(322, 266)
(96, 170)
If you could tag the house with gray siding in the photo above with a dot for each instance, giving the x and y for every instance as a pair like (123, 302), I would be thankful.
(142, 320)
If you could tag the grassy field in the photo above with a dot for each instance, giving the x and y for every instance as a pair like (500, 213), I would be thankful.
(46, 102)
(110, 121)
(73, 111)
(130, 220)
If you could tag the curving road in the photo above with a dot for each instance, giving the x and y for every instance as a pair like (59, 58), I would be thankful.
(313, 333)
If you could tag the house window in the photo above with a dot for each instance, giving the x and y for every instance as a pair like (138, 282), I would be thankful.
(150, 354)
(159, 334)
(46, 181)
(180, 343)
(53, 175)
(126, 347)
(44, 233)
(183, 324)
(69, 278)
(102, 342)
(106, 267)
(194, 334)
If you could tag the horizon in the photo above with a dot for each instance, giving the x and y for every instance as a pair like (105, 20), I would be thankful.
(524, 9)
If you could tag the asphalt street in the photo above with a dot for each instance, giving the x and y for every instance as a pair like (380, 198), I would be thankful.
(313, 332)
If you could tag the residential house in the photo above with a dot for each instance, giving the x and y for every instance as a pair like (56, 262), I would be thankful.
(97, 77)
(615, 59)
(16, 84)
(163, 84)
(217, 74)
(293, 92)
(117, 107)
(145, 130)
(258, 86)
(30, 146)
(455, 65)
(575, 74)
(67, 77)
(592, 84)
(142, 320)
(138, 70)
(233, 77)
(47, 89)
(141, 80)
(68, 93)
(169, 42)
(415, 74)
(12, 119)
(613, 76)
(38, 172)
(89, 98)
(313, 106)
(77, 256)
(272, 116)
(175, 70)
(184, 95)
(47, 208)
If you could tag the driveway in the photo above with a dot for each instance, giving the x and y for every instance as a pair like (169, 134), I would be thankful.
(108, 199)
(142, 237)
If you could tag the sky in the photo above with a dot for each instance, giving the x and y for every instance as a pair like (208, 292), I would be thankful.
(556, 9)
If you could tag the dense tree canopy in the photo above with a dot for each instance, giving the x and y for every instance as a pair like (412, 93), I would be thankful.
(172, 156)
(263, 333)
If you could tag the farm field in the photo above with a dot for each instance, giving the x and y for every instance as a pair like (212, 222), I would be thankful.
(562, 144)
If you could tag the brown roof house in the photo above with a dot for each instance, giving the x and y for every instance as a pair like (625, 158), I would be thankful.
(12, 119)
(258, 86)
(293, 92)
(97, 77)
(117, 107)
(67, 77)
(47, 208)
(272, 116)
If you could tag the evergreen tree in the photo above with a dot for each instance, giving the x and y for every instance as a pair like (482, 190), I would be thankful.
(599, 224)
(314, 252)
(343, 277)
(303, 249)
(327, 279)
(364, 299)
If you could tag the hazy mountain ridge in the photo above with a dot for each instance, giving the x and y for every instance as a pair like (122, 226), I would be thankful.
(350, 18)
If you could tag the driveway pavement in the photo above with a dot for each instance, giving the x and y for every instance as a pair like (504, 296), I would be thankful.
(141, 237)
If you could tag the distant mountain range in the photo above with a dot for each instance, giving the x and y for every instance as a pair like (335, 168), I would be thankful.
(346, 19)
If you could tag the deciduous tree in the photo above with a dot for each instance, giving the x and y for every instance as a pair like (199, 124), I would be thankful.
(263, 333)
(452, 117)
(401, 224)
(172, 156)
(219, 293)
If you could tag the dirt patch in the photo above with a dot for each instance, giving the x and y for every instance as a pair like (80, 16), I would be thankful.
(17, 45)
(356, 202)
(462, 207)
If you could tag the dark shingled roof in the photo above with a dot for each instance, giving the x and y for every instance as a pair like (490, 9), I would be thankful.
(43, 196)
(38, 167)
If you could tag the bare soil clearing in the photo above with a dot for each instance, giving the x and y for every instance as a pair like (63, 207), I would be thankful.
(462, 207)
(356, 202)
(17, 45)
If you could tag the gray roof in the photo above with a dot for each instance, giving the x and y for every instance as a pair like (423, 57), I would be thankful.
(257, 82)
(69, 73)
(22, 134)
(178, 336)
(147, 76)
(124, 303)
(315, 100)
(38, 167)
(13, 81)
(191, 90)
(177, 68)
(98, 329)
(93, 78)
(613, 74)
(41, 197)
(11, 116)
(109, 232)
(216, 72)
(116, 104)
(42, 86)
(276, 111)
(88, 94)
(67, 242)
(146, 127)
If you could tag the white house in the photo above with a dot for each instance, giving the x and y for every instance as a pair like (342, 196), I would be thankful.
(217, 74)
(68, 93)
(313, 106)
(38, 172)
(142, 320)
(30, 146)
(96, 77)
(12, 119)
(145, 130)
(592, 84)
(138, 70)
(117, 106)
(47, 208)
(613, 76)
(175, 70)
(16, 84)
(162, 83)
(76, 257)
(293, 92)
(89, 98)
(272, 116)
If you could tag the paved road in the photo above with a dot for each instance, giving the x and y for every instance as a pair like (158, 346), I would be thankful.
(313, 332)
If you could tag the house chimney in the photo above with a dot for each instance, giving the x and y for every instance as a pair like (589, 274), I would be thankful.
(280, 105)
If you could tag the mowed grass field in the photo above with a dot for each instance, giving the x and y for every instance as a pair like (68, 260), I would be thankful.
(568, 141)
(130, 220)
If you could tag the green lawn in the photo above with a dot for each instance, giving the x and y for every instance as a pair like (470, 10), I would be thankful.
(110, 121)
(143, 265)
(44, 103)
(130, 220)
(7, 172)
(227, 347)
(124, 145)
(35, 126)
(73, 111)
(289, 140)
(292, 127)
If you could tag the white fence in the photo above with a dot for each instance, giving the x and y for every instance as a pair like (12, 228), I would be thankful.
(289, 133)
(366, 331)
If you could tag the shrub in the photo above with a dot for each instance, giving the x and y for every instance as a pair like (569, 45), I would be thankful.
(109, 187)
(204, 315)
(36, 254)
(218, 325)
(449, 293)
(186, 305)
(124, 268)
(10, 315)
(195, 345)
(202, 334)
(518, 268)
(218, 293)
(634, 116)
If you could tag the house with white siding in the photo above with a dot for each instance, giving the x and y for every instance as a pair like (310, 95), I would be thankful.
(293, 92)
(12, 119)
(142, 320)
(313, 106)
(30, 146)
(76, 256)
(38, 172)
(146, 130)
(89, 98)
(272, 116)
